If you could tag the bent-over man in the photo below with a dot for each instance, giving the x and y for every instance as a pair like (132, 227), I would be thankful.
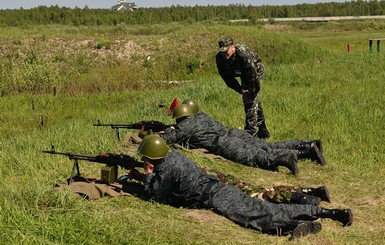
(237, 60)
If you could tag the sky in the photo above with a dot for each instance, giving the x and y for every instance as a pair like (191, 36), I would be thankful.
(26, 4)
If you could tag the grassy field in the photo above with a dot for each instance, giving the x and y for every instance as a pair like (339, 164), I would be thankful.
(57, 81)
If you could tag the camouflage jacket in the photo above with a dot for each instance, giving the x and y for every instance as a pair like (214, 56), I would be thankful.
(244, 64)
(178, 181)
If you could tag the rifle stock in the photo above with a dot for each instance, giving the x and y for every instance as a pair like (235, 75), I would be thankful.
(110, 159)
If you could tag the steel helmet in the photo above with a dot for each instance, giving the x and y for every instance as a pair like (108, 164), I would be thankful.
(153, 147)
(182, 110)
(192, 104)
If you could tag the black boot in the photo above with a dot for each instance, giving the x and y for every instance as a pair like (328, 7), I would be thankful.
(313, 154)
(321, 192)
(345, 216)
(300, 198)
(310, 144)
(263, 132)
(318, 143)
(289, 161)
(305, 229)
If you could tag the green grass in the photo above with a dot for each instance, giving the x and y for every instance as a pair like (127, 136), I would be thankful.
(311, 91)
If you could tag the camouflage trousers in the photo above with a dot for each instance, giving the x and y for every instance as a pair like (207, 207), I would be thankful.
(254, 115)
(276, 194)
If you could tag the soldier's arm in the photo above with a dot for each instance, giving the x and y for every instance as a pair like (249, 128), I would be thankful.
(158, 186)
(174, 135)
(229, 78)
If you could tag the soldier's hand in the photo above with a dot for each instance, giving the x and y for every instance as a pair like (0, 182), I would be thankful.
(148, 168)
(136, 175)
(123, 179)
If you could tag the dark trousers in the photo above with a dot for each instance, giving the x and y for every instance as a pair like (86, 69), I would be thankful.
(253, 213)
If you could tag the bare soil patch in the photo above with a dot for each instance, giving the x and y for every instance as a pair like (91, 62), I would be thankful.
(202, 216)
(271, 27)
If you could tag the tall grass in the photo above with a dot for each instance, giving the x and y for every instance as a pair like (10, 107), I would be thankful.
(66, 64)
(310, 91)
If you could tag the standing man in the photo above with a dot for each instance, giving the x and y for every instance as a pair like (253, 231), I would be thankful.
(236, 60)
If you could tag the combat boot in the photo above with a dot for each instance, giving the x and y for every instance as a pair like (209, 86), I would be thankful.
(345, 216)
(318, 143)
(313, 154)
(289, 161)
(300, 198)
(263, 132)
(304, 229)
(310, 144)
(321, 192)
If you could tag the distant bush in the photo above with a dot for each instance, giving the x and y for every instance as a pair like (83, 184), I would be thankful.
(55, 15)
(29, 78)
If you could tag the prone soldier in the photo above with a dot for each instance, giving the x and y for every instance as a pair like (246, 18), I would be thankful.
(172, 178)
(195, 129)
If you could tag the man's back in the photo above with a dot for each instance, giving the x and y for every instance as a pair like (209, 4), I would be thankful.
(197, 131)
(178, 181)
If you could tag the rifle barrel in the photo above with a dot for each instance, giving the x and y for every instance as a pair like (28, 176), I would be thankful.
(124, 161)
(128, 126)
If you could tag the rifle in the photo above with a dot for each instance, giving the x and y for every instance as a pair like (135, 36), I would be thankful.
(109, 172)
(154, 126)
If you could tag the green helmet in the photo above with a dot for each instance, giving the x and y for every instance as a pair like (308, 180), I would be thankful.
(153, 147)
(192, 104)
(182, 110)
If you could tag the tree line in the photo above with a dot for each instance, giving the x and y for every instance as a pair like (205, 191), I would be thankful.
(44, 15)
